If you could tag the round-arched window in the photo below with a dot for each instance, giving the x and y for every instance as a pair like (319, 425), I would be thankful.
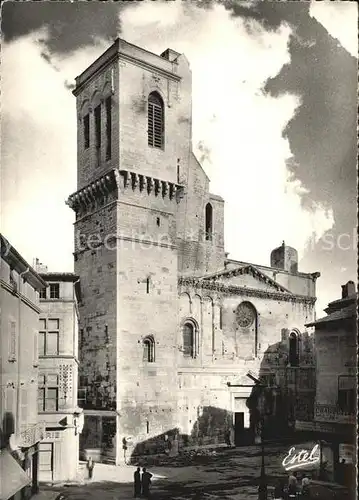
(188, 334)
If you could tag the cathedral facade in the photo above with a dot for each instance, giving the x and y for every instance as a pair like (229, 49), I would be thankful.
(170, 327)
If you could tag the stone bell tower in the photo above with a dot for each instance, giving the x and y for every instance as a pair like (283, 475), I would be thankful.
(134, 129)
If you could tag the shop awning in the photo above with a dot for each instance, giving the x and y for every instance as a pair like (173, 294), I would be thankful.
(12, 477)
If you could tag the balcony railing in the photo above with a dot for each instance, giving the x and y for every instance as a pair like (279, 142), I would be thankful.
(332, 413)
(32, 434)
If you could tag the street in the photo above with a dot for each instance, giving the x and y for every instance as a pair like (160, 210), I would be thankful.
(213, 474)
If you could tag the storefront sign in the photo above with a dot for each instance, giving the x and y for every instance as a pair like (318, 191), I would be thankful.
(52, 435)
(300, 459)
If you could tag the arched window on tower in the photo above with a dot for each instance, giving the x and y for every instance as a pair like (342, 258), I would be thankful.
(156, 123)
(209, 222)
(189, 337)
(149, 349)
(293, 349)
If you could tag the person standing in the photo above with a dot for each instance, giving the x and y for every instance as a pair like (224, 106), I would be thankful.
(305, 487)
(90, 467)
(292, 485)
(137, 482)
(146, 482)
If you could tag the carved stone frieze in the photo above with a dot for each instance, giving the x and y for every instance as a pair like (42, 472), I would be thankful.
(215, 286)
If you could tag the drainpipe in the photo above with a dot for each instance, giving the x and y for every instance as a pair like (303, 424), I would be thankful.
(18, 392)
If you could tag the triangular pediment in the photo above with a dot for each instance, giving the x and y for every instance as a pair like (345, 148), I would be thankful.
(247, 277)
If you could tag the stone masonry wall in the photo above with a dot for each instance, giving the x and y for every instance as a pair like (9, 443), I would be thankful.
(96, 267)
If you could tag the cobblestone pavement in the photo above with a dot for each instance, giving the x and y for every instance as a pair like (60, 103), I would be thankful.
(229, 474)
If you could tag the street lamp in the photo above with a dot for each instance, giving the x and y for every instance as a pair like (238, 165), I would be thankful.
(262, 488)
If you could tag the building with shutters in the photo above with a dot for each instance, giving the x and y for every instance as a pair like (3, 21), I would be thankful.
(21, 427)
(169, 324)
(57, 378)
(336, 382)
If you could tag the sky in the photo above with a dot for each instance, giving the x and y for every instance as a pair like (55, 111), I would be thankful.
(278, 142)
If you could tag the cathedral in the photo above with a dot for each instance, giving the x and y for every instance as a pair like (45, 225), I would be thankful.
(173, 334)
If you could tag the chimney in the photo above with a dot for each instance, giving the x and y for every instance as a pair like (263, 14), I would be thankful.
(348, 290)
(170, 55)
(39, 267)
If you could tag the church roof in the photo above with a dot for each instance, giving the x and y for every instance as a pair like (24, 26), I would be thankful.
(247, 269)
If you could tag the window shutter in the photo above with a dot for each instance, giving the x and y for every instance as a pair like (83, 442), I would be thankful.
(24, 408)
(12, 341)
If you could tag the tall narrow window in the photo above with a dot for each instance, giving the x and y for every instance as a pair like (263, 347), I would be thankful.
(155, 121)
(108, 127)
(98, 132)
(188, 340)
(48, 342)
(147, 285)
(208, 222)
(86, 125)
(149, 349)
(293, 349)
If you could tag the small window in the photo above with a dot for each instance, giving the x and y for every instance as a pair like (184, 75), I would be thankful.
(54, 291)
(86, 127)
(43, 293)
(208, 222)
(81, 397)
(158, 222)
(155, 121)
(147, 285)
(149, 349)
(188, 340)
(108, 128)
(48, 393)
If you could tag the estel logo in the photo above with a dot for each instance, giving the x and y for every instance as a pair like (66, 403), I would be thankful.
(302, 458)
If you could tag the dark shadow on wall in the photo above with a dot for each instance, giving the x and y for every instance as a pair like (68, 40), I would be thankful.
(286, 393)
(7, 429)
(289, 395)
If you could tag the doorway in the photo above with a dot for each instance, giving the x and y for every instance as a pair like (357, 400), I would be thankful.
(46, 461)
(239, 428)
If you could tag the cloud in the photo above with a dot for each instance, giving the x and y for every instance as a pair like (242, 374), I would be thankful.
(340, 20)
(237, 128)
(237, 125)
(38, 153)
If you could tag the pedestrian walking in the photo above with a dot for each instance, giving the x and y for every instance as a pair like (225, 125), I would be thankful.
(146, 482)
(124, 447)
(90, 467)
(137, 483)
